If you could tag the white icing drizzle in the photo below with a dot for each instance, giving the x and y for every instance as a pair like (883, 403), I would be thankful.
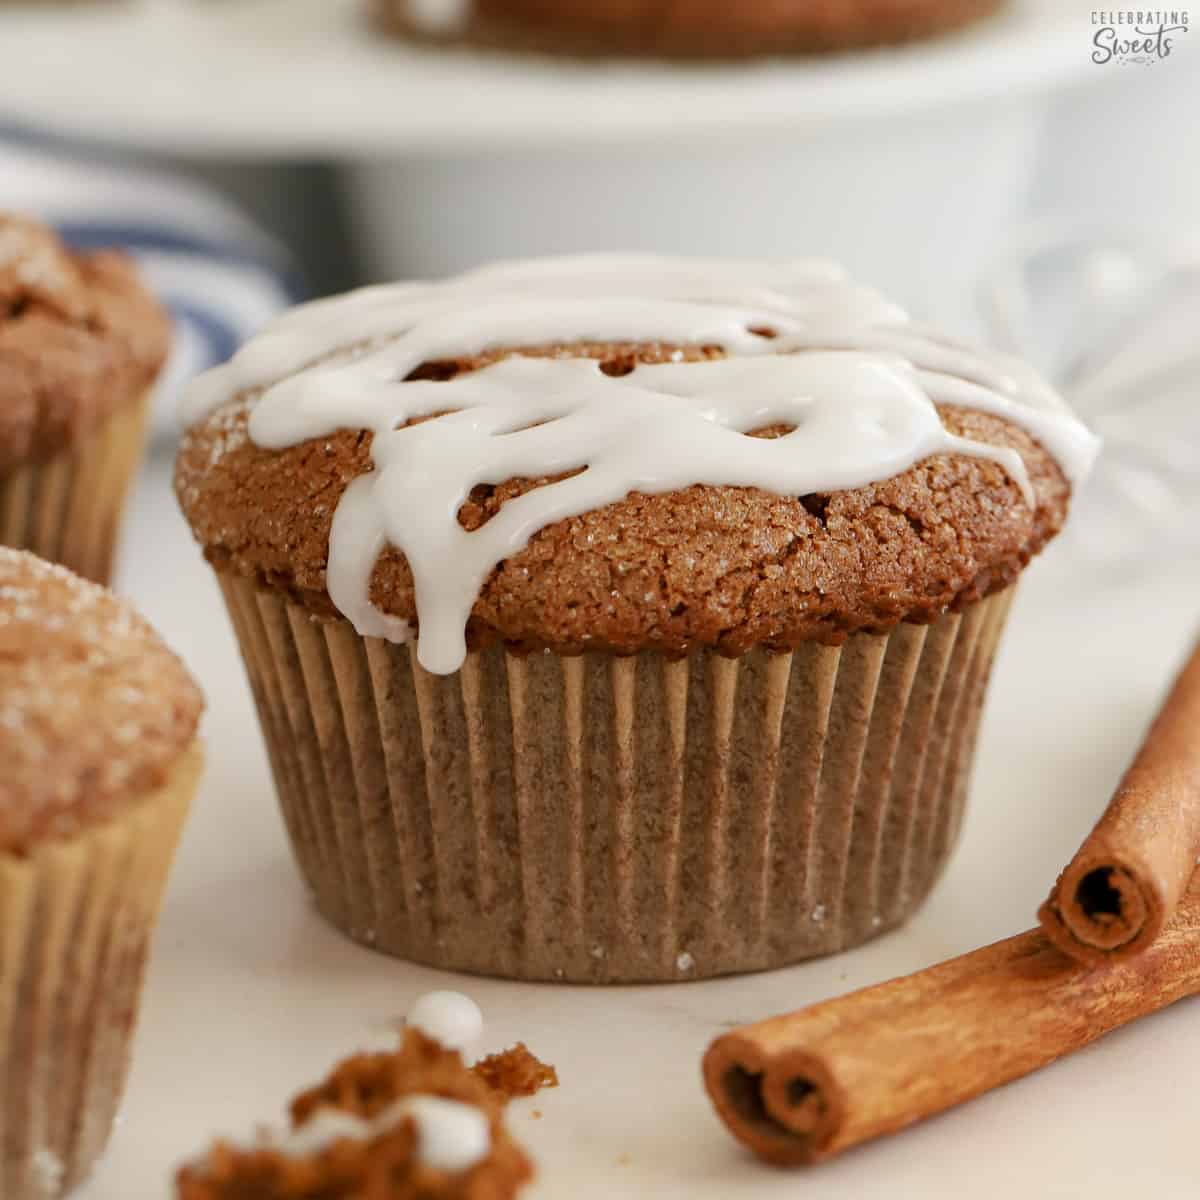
(805, 347)
(450, 1018)
(811, 290)
(451, 1135)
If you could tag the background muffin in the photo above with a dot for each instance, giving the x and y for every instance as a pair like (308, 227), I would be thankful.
(684, 28)
(81, 344)
(708, 729)
(98, 740)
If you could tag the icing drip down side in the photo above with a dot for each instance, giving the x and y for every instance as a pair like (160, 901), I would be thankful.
(854, 384)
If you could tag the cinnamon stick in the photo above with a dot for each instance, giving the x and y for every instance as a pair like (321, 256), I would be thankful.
(803, 1087)
(1120, 889)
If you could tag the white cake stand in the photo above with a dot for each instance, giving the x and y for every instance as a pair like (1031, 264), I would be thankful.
(907, 164)
(305, 77)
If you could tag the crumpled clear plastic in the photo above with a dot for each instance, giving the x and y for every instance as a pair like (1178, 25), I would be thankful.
(1113, 319)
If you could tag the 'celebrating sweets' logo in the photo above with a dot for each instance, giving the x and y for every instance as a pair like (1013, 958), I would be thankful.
(1134, 35)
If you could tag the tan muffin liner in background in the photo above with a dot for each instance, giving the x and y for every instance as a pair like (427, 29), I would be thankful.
(76, 919)
(68, 508)
(608, 819)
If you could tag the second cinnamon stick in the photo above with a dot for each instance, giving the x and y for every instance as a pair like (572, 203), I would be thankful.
(1120, 889)
(805, 1086)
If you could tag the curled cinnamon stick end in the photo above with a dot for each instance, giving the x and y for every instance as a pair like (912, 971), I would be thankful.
(787, 1111)
(805, 1086)
(1116, 895)
(1110, 909)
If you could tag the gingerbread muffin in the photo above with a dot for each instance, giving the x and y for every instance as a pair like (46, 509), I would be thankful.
(621, 618)
(81, 344)
(98, 745)
(712, 29)
(411, 1125)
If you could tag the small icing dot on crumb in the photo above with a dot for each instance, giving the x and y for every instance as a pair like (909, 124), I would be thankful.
(451, 1136)
(448, 1017)
(685, 962)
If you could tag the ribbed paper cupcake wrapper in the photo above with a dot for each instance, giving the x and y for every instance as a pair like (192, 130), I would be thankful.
(68, 508)
(605, 819)
(76, 919)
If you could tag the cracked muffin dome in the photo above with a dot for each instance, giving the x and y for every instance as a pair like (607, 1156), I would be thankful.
(81, 345)
(79, 334)
(95, 711)
(721, 566)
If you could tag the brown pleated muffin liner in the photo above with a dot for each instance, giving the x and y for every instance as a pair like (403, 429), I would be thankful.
(68, 508)
(617, 819)
(76, 919)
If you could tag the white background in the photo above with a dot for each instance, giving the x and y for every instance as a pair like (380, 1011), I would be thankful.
(251, 996)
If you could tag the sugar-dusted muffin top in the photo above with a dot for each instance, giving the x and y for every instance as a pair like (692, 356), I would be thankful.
(415, 1124)
(94, 709)
(552, 455)
(79, 334)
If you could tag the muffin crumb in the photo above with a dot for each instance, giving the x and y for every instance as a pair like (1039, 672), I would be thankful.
(368, 1133)
(515, 1072)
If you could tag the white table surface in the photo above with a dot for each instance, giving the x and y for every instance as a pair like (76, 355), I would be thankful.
(251, 996)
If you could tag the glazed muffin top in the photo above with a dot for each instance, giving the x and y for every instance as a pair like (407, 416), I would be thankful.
(552, 454)
(79, 334)
(94, 709)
